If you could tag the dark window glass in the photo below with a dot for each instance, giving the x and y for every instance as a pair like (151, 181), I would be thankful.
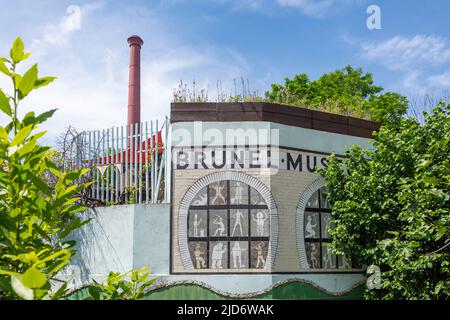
(317, 224)
(228, 227)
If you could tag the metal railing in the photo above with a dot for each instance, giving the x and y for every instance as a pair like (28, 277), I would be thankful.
(129, 164)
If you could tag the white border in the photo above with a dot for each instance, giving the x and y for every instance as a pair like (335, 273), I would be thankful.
(219, 176)
(313, 187)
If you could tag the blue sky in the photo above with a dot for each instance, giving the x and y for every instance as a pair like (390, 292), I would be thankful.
(83, 43)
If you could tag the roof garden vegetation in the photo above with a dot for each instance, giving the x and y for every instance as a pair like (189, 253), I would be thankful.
(347, 91)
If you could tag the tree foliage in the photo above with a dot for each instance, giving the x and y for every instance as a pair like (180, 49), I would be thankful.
(130, 285)
(391, 206)
(347, 91)
(35, 216)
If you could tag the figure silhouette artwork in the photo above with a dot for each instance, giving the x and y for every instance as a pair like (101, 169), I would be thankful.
(220, 229)
(313, 202)
(198, 255)
(237, 199)
(328, 262)
(236, 255)
(202, 201)
(260, 220)
(260, 262)
(345, 263)
(218, 194)
(238, 216)
(310, 232)
(217, 256)
(326, 226)
(313, 257)
(196, 223)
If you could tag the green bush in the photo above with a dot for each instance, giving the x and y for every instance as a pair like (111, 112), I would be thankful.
(35, 215)
(391, 206)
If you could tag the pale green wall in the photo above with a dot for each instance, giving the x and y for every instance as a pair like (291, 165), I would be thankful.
(120, 238)
(123, 237)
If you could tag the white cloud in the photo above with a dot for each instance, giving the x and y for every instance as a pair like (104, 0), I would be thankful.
(400, 52)
(92, 68)
(309, 7)
(313, 8)
(440, 80)
(59, 34)
(418, 60)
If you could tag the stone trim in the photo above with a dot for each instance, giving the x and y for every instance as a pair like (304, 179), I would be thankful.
(219, 176)
(169, 283)
(313, 187)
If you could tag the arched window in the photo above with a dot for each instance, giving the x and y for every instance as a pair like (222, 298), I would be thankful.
(228, 227)
(315, 214)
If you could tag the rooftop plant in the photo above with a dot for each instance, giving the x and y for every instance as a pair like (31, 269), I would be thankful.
(347, 91)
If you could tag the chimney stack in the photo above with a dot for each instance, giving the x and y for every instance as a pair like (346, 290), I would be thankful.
(134, 84)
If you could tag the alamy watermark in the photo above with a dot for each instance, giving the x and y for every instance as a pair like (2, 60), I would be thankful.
(374, 280)
(206, 147)
(373, 22)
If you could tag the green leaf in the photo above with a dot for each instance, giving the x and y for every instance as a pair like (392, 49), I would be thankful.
(4, 69)
(27, 147)
(33, 278)
(4, 104)
(62, 290)
(3, 135)
(44, 116)
(27, 82)
(9, 273)
(41, 82)
(16, 52)
(6, 222)
(42, 292)
(94, 292)
(21, 135)
(20, 289)
(41, 185)
(5, 284)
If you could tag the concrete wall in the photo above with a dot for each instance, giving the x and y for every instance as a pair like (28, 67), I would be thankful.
(120, 238)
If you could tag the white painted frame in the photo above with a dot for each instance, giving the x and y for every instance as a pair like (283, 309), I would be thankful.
(219, 176)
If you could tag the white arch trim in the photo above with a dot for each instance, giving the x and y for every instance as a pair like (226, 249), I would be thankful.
(219, 176)
(309, 191)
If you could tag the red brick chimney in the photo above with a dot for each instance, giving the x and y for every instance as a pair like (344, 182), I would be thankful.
(134, 84)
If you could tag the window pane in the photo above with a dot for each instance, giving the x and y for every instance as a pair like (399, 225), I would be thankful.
(218, 223)
(313, 254)
(197, 223)
(323, 199)
(256, 198)
(229, 239)
(313, 201)
(326, 218)
(238, 193)
(328, 258)
(200, 198)
(218, 193)
(259, 223)
(218, 257)
(198, 254)
(238, 222)
(239, 254)
(259, 254)
(344, 262)
(312, 225)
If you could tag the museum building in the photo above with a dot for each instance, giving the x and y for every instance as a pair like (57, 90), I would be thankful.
(243, 211)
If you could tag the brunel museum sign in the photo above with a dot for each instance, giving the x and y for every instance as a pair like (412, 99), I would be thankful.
(247, 158)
